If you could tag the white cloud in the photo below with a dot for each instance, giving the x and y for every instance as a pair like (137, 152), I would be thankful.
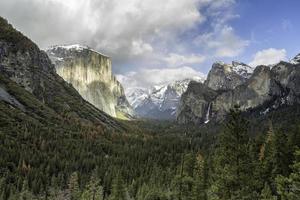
(149, 77)
(223, 42)
(268, 57)
(175, 60)
(131, 30)
(140, 48)
(120, 28)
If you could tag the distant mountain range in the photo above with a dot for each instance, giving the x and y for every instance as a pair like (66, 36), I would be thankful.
(159, 101)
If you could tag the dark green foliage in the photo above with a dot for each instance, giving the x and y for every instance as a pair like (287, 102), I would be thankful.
(289, 187)
(233, 174)
(118, 191)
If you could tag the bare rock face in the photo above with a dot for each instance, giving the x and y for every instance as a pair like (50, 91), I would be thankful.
(265, 88)
(90, 73)
(227, 76)
(25, 64)
(195, 104)
(252, 93)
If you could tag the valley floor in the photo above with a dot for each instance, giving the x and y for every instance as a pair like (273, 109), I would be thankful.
(151, 160)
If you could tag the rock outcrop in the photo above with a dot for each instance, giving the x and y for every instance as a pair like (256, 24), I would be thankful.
(159, 102)
(227, 76)
(25, 64)
(90, 73)
(195, 104)
(265, 89)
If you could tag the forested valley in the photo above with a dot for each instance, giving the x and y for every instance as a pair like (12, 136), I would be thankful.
(158, 160)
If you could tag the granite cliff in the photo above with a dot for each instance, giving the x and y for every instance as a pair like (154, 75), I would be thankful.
(264, 88)
(90, 73)
(30, 86)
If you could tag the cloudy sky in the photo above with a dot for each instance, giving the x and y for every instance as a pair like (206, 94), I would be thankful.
(151, 39)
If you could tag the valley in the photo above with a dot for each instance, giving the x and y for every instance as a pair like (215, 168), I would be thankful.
(69, 130)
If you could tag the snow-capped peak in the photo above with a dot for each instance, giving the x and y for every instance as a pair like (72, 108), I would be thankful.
(242, 69)
(72, 47)
(158, 99)
(77, 47)
(296, 60)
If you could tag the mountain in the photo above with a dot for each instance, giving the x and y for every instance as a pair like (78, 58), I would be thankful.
(32, 93)
(266, 88)
(227, 76)
(90, 73)
(158, 102)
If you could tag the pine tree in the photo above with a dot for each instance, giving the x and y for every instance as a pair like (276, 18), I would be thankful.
(274, 157)
(93, 190)
(266, 193)
(232, 177)
(25, 194)
(73, 187)
(289, 187)
(184, 182)
(118, 191)
(201, 176)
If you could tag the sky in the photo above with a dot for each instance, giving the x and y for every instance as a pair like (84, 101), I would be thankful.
(156, 41)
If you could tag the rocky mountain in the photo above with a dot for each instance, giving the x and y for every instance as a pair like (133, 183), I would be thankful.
(265, 89)
(158, 102)
(32, 91)
(227, 76)
(90, 73)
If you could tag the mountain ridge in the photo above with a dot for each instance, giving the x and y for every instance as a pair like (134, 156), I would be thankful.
(275, 85)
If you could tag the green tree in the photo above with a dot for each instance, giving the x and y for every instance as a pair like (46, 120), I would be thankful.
(118, 191)
(289, 187)
(25, 193)
(274, 157)
(155, 195)
(201, 179)
(266, 193)
(232, 177)
(93, 190)
(73, 187)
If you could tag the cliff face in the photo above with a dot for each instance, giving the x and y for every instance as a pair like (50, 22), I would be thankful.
(24, 63)
(227, 76)
(195, 104)
(159, 102)
(90, 73)
(266, 89)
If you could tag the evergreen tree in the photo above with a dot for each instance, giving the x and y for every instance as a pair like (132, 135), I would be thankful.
(266, 193)
(73, 187)
(93, 190)
(118, 191)
(201, 176)
(274, 156)
(184, 182)
(232, 177)
(155, 195)
(25, 194)
(289, 187)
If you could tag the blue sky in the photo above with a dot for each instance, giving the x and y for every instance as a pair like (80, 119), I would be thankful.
(151, 39)
(269, 24)
(264, 24)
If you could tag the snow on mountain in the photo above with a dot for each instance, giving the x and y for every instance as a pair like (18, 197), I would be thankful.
(159, 101)
(296, 60)
(72, 47)
(242, 69)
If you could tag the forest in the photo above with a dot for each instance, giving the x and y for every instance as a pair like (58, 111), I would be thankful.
(155, 161)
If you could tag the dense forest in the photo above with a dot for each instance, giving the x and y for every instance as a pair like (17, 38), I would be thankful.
(155, 160)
